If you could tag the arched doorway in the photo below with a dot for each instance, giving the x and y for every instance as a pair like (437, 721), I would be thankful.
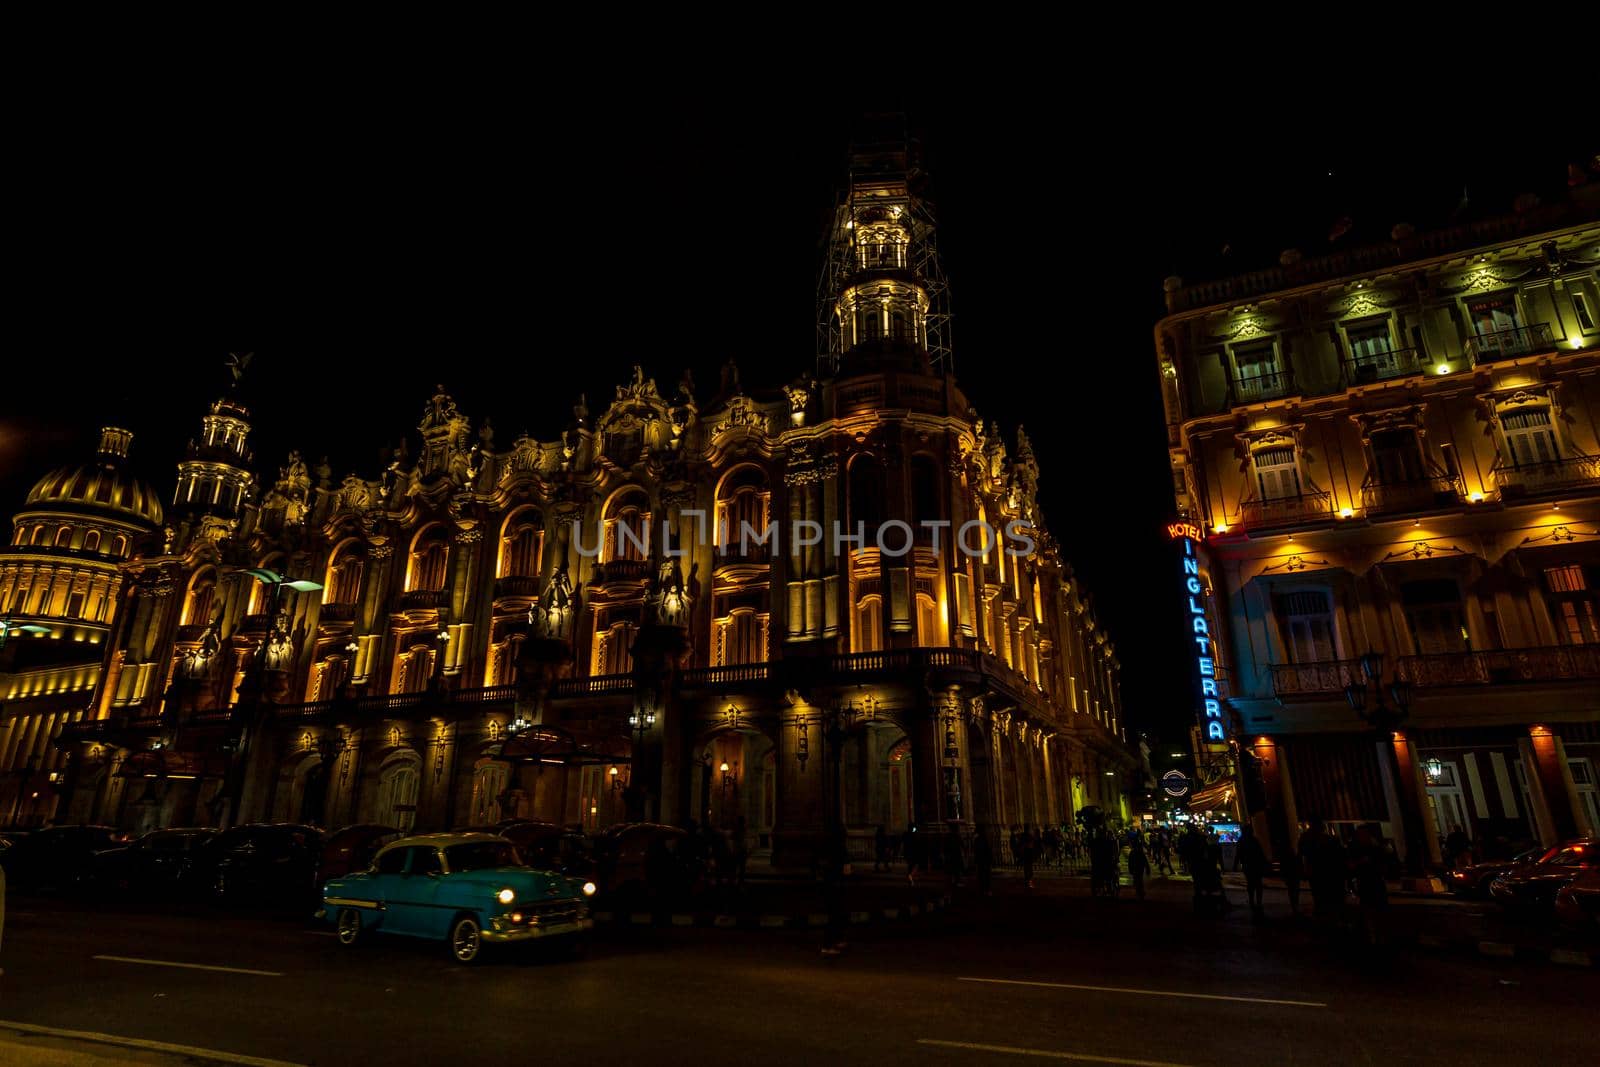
(398, 783)
(312, 791)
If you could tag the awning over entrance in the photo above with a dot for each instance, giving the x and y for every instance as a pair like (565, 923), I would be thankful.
(1217, 797)
(553, 744)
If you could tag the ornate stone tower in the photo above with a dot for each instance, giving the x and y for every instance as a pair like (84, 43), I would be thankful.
(883, 293)
(214, 476)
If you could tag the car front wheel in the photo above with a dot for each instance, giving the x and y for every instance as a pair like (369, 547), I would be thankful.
(466, 939)
(349, 926)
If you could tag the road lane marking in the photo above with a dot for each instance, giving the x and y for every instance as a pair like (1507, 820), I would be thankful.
(1150, 992)
(189, 966)
(1045, 1053)
(191, 1051)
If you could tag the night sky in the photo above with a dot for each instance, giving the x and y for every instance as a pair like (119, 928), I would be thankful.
(520, 264)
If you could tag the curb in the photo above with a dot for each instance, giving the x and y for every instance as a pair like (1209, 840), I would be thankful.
(1502, 950)
(803, 920)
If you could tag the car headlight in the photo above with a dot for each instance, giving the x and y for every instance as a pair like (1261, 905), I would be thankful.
(506, 896)
(588, 889)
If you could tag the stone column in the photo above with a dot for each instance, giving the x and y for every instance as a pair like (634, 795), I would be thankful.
(1558, 810)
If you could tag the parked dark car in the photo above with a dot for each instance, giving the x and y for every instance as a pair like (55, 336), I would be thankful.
(1533, 886)
(636, 859)
(549, 847)
(57, 857)
(352, 848)
(1473, 880)
(161, 861)
(1578, 902)
(272, 864)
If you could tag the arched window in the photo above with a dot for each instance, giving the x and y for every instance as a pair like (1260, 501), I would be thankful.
(197, 603)
(742, 638)
(430, 553)
(345, 571)
(397, 793)
(63, 537)
(742, 508)
(613, 648)
(521, 546)
(119, 546)
(866, 494)
(627, 527)
(869, 624)
(929, 631)
(91, 541)
(413, 669)
(38, 535)
(261, 593)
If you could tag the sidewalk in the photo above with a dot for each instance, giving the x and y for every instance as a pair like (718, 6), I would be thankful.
(43, 1046)
(771, 902)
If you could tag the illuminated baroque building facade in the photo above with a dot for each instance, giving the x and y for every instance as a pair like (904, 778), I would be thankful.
(1395, 450)
(573, 629)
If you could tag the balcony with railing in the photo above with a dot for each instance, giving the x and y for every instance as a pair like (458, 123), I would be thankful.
(622, 570)
(1510, 343)
(1556, 663)
(418, 599)
(747, 550)
(1275, 512)
(1314, 679)
(1421, 494)
(1382, 366)
(1268, 385)
(516, 585)
(1553, 663)
(337, 612)
(1580, 473)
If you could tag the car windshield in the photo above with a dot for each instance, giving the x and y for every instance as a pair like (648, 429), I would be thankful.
(481, 854)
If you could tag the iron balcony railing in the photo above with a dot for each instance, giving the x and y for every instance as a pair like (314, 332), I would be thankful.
(622, 570)
(1322, 676)
(1422, 494)
(1381, 366)
(746, 551)
(1266, 386)
(337, 612)
(1553, 476)
(516, 585)
(1555, 663)
(414, 599)
(1272, 512)
(1510, 343)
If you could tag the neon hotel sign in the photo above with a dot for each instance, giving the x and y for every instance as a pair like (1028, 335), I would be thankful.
(1205, 653)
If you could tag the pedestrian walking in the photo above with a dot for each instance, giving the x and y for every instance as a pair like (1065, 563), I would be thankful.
(1138, 866)
(835, 863)
(983, 860)
(1324, 861)
(954, 862)
(1029, 847)
(1252, 859)
(1289, 869)
(1368, 863)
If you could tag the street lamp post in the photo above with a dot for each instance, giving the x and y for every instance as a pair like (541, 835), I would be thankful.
(1385, 720)
(277, 582)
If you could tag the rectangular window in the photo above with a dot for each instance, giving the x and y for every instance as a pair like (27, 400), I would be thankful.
(1585, 315)
(1396, 457)
(1434, 616)
(1494, 314)
(1257, 374)
(1277, 473)
(1372, 352)
(1307, 625)
(1574, 605)
(1530, 440)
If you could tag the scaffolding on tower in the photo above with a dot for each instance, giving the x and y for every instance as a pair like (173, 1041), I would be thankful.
(885, 175)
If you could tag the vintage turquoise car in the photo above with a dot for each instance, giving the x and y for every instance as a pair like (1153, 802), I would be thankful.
(467, 890)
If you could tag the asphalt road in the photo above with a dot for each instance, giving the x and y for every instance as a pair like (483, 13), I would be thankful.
(998, 982)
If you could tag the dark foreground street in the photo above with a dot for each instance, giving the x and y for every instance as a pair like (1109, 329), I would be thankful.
(1051, 975)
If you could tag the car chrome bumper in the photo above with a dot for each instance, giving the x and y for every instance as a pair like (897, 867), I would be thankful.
(501, 931)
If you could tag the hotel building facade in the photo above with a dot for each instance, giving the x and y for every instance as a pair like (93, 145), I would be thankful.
(1396, 450)
(573, 629)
